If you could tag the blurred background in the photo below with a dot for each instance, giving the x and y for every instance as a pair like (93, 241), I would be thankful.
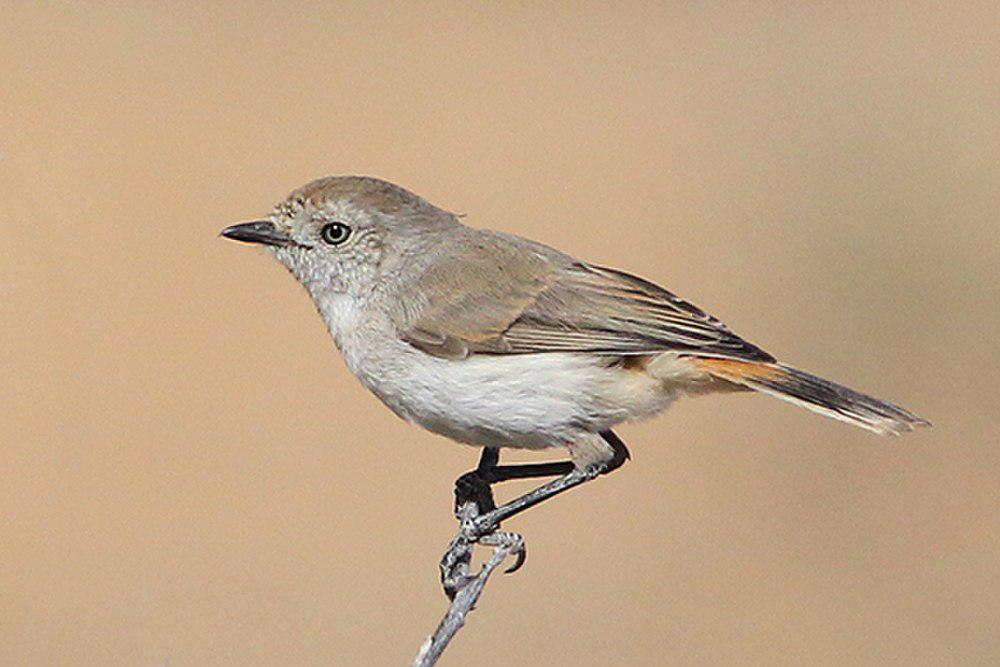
(192, 477)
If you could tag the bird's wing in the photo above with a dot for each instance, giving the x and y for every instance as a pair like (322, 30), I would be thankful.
(575, 307)
(465, 304)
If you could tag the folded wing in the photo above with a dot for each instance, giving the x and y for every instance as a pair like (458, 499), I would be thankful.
(576, 307)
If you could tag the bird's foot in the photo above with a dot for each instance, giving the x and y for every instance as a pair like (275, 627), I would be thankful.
(455, 574)
(455, 568)
(473, 487)
(456, 563)
(489, 522)
(480, 518)
(512, 542)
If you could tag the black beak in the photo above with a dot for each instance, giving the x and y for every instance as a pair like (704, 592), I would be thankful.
(258, 231)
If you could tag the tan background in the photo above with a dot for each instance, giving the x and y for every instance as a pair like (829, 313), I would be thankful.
(191, 477)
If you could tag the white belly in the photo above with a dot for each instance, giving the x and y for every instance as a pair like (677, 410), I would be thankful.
(531, 400)
(514, 400)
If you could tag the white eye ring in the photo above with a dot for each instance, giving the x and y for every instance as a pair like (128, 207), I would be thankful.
(335, 233)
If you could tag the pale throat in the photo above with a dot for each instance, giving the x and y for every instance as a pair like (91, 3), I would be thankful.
(339, 311)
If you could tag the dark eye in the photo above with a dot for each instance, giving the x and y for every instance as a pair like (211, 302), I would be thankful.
(335, 233)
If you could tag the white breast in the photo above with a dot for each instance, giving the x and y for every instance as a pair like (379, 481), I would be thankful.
(529, 400)
(513, 400)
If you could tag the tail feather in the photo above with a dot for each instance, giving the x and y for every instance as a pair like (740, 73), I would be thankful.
(815, 393)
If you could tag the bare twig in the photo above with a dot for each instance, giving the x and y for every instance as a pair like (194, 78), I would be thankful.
(462, 587)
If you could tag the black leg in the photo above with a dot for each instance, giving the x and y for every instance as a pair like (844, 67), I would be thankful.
(621, 451)
(527, 471)
(476, 485)
(569, 476)
(473, 486)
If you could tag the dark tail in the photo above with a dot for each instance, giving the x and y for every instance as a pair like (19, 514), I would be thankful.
(819, 395)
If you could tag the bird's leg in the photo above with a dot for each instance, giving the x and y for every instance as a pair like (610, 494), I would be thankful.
(480, 517)
(486, 523)
(474, 497)
(475, 485)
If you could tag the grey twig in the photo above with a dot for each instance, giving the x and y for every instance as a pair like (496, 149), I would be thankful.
(459, 584)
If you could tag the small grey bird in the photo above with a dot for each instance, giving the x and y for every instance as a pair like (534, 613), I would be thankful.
(497, 341)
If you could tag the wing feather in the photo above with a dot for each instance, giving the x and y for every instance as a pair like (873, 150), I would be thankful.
(574, 307)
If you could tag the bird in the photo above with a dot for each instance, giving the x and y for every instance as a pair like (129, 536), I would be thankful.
(498, 341)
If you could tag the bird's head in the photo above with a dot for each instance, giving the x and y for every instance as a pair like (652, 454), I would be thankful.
(340, 234)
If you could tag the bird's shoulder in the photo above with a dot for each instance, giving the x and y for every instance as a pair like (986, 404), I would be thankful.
(495, 293)
(469, 287)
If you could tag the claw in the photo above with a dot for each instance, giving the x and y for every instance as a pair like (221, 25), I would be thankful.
(522, 556)
(511, 541)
